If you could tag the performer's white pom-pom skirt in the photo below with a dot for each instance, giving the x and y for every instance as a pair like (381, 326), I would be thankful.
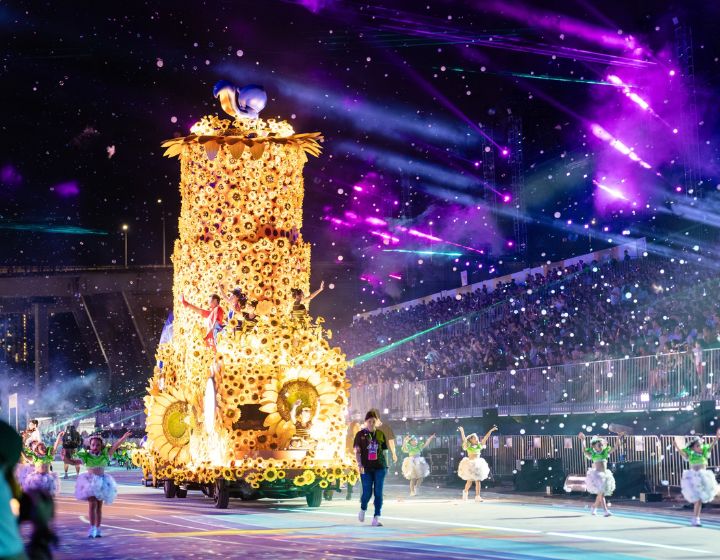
(699, 485)
(600, 482)
(49, 482)
(473, 469)
(99, 486)
(22, 470)
(415, 467)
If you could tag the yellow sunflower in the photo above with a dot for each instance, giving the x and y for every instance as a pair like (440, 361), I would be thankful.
(167, 425)
(281, 393)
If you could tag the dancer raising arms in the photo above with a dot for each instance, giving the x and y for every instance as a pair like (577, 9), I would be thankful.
(42, 478)
(473, 468)
(415, 467)
(94, 485)
(698, 482)
(599, 480)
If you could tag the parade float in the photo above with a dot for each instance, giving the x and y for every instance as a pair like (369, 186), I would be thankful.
(254, 405)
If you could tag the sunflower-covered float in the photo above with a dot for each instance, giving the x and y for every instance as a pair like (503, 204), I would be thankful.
(248, 397)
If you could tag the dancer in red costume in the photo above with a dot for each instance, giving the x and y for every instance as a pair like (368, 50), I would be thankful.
(214, 317)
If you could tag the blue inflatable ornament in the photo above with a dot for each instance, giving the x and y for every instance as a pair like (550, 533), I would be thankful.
(244, 102)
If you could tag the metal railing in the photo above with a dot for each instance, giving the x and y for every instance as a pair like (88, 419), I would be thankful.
(658, 382)
(662, 464)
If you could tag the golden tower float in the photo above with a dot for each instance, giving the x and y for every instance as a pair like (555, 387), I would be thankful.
(257, 408)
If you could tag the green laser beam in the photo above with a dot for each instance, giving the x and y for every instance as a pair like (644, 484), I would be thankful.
(47, 228)
(533, 76)
(378, 351)
(448, 254)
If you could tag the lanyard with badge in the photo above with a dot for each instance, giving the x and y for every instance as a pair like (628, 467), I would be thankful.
(372, 447)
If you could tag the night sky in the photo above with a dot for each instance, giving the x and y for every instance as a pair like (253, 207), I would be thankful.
(407, 94)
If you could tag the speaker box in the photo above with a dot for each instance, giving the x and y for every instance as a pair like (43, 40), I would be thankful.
(439, 461)
(490, 415)
(705, 414)
(537, 474)
(650, 497)
(630, 480)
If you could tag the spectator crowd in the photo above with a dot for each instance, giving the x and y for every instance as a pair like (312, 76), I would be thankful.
(587, 312)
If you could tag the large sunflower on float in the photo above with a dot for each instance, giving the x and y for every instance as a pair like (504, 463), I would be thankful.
(168, 424)
(292, 384)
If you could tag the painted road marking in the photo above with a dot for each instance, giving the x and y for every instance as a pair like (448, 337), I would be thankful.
(509, 529)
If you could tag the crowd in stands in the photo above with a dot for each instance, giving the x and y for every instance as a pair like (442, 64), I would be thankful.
(591, 311)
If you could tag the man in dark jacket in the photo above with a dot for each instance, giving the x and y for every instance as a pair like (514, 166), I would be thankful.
(71, 441)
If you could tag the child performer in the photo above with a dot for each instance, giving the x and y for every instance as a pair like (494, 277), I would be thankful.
(698, 482)
(25, 466)
(94, 485)
(599, 480)
(41, 478)
(473, 468)
(415, 467)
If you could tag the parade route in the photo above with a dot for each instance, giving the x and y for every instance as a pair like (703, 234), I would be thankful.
(435, 524)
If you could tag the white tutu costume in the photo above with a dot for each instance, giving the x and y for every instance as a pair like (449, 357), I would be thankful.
(473, 468)
(599, 481)
(90, 485)
(698, 482)
(22, 470)
(47, 481)
(414, 466)
(38, 476)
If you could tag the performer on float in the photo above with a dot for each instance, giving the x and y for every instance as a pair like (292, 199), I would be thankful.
(599, 480)
(473, 468)
(214, 317)
(698, 483)
(94, 485)
(302, 438)
(301, 303)
(237, 302)
(41, 478)
(249, 315)
(415, 467)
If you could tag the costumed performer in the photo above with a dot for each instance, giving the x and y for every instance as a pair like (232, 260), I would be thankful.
(473, 468)
(414, 466)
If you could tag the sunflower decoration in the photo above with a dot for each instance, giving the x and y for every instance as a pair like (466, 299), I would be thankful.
(169, 424)
(284, 390)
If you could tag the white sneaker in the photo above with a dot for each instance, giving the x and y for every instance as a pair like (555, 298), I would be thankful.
(98, 534)
(696, 522)
(607, 514)
(593, 511)
(91, 532)
(478, 498)
(465, 496)
(376, 522)
(412, 492)
(361, 516)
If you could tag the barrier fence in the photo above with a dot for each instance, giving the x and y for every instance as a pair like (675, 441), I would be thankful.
(658, 382)
(663, 465)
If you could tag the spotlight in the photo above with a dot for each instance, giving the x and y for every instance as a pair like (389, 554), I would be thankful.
(507, 198)
(504, 152)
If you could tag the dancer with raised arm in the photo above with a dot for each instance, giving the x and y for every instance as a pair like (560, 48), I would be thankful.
(698, 483)
(94, 485)
(473, 468)
(415, 467)
(599, 479)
